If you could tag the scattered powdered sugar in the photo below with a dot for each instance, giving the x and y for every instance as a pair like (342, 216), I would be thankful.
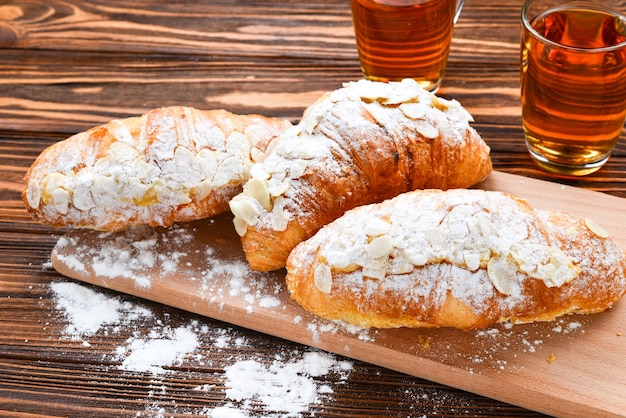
(567, 328)
(89, 311)
(232, 278)
(187, 251)
(128, 254)
(160, 348)
(499, 347)
(288, 385)
(320, 326)
(292, 382)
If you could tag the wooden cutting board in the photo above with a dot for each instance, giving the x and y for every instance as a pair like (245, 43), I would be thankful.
(574, 366)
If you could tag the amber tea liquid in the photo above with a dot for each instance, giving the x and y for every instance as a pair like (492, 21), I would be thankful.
(573, 88)
(399, 39)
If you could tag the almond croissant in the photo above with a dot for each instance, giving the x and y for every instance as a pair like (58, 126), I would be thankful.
(363, 143)
(457, 258)
(170, 165)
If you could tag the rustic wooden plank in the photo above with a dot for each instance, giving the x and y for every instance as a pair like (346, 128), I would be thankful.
(67, 66)
(219, 28)
(578, 382)
(272, 27)
(192, 74)
(42, 372)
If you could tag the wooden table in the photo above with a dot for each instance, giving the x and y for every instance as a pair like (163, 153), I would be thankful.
(68, 66)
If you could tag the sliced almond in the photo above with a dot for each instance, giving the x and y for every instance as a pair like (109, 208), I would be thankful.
(207, 159)
(61, 200)
(120, 131)
(398, 96)
(502, 274)
(278, 189)
(52, 182)
(259, 171)
(256, 133)
(368, 91)
(487, 228)
(257, 189)
(472, 261)
(121, 152)
(441, 104)
(245, 209)
(380, 247)
(399, 265)
(81, 199)
(426, 129)
(241, 227)
(376, 226)
(378, 112)
(323, 278)
(33, 194)
(238, 142)
(256, 155)
(280, 218)
(104, 191)
(596, 228)
(413, 110)
(202, 190)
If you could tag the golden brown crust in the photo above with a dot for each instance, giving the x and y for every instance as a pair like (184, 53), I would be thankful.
(409, 261)
(357, 145)
(172, 164)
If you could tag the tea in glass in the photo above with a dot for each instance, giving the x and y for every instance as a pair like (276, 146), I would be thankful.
(573, 84)
(399, 39)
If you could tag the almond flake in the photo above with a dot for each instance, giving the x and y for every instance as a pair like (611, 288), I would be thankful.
(61, 200)
(241, 227)
(596, 228)
(380, 247)
(256, 189)
(426, 129)
(245, 209)
(323, 278)
(472, 260)
(502, 274)
(413, 110)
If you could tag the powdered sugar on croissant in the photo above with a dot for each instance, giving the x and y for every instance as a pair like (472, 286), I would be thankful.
(461, 258)
(363, 143)
(170, 165)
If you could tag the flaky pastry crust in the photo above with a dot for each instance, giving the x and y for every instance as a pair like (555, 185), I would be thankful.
(458, 258)
(172, 164)
(360, 144)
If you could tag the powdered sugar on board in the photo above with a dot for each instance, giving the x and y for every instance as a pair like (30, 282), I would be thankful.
(288, 385)
(200, 267)
(144, 255)
(201, 262)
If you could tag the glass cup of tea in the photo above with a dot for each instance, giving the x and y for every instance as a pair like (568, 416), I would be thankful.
(399, 39)
(573, 83)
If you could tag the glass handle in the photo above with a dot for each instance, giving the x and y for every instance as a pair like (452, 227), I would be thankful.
(459, 6)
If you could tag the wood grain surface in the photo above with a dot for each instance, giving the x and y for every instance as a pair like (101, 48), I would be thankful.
(563, 374)
(69, 65)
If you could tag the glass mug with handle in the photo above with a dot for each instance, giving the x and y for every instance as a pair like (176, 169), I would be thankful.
(399, 39)
(573, 83)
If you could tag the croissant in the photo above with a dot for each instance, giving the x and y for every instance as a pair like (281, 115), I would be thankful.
(173, 164)
(363, 143)
(457, 258)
